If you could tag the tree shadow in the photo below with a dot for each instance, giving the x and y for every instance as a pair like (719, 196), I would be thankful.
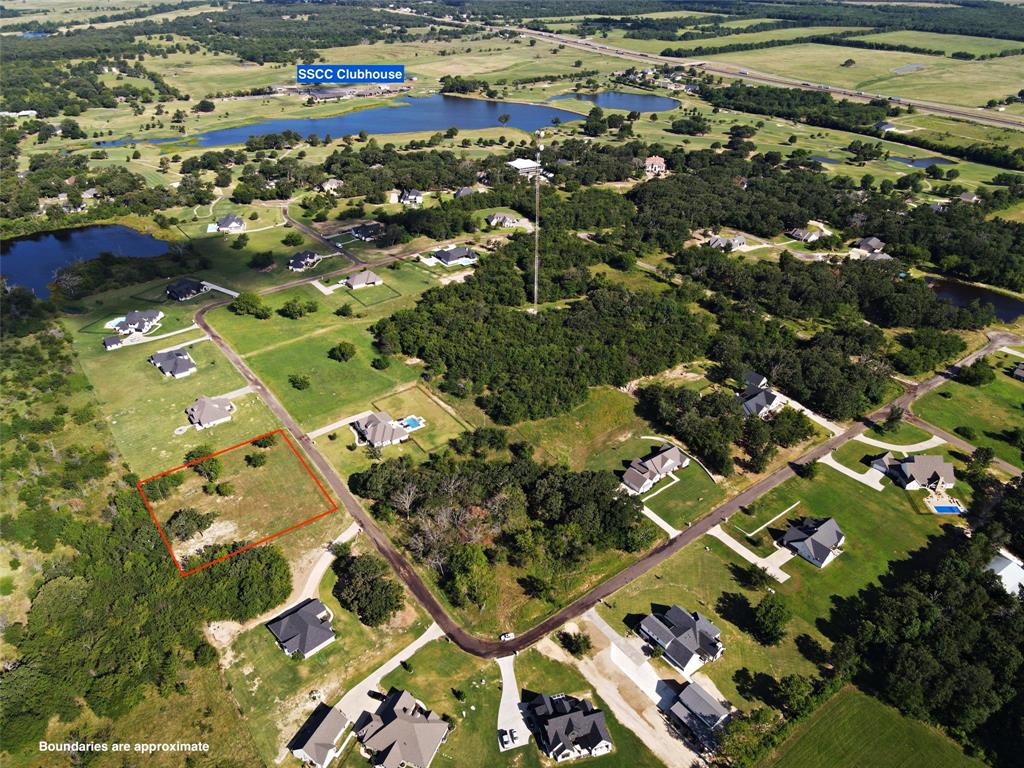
(811, 649)
(756, 685)
(736, 609)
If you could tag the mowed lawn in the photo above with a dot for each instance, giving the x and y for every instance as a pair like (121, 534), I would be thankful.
(942, 42)
(992, 410)
(440, 423)
(879, 527)
(855, 730)
(272, 690)
(280, 347)
(264, 501)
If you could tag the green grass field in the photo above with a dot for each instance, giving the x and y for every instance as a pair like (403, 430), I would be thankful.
(991, 409)
(618, 39)
(855, 730)
(948, 43)
(879, 527)
(272, 690)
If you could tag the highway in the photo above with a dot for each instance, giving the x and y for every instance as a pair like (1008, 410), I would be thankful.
(492, 648)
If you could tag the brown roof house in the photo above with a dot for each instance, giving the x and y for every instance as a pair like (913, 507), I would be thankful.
(644, 474)
(402, 733)
(916, 472)
(364, 279)
(208, 412)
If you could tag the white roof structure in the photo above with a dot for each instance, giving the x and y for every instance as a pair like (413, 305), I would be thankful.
(1010, 570)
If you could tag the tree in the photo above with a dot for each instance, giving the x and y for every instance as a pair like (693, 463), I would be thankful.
(979, 462)
(770, 619)
(893, 420)
(299, 381)
(205, 105)
(267, 441)
(249, 303)
(262, 260)
(240, 242)
(187, 522)
(343, 351)
(744, 737)
(292, 239)
(578, 644)
(977, 373)
(225, 489)
(365, 588)
(255, 460)
(504, 118)
(345, 310)
(209, 468)
(795, 694)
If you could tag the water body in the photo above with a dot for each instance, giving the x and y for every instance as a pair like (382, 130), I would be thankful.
(35, 34)
(33, 261)
(432, 113)
(823, 159)
(922, 162)
(1008, 308)
(629, 102)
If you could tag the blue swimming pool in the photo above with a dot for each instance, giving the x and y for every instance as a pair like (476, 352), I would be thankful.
(412, 422)
(947, 509)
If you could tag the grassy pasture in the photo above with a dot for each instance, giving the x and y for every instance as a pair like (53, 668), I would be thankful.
(855, 730)
(979, 46)
(991, 409)
(618, 39)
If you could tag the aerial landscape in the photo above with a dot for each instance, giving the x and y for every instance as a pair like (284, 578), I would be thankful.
(621, 383)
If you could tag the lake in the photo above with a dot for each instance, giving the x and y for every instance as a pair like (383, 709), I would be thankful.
(1008, 308)
(922, 162)
(33, 261)
(432, 113)
(629, 102)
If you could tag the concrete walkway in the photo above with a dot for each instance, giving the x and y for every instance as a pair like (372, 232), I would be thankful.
(358, 700)
(772, 564)
(338, 424)
(138, 338)
(221, 288)
(1011, 351)
(235, 393)
(654, 518)
(181, 344)
(872, 478)
(510, 716)
(932, 442)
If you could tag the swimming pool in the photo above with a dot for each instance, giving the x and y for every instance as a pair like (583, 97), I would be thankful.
(947, 509)
(413, 422)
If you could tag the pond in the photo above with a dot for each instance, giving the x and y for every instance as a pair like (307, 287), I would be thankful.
(823, 159)
(432, 113)
(629, 102)
(922, 162)
(33, 261)
(1008, 308)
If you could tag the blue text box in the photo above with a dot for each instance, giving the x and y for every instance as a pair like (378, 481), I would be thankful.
(350, 73)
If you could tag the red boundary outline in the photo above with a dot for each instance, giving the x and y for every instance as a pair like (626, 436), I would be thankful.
(183, 573)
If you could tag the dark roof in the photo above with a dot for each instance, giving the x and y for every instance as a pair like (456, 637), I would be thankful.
(565, 722)
(682, 634)
(303, 259)
(324, 737)
(301, 629)
(401, 732)
(698, 709)
(173, 363)
(465, 191)
(756, 402)
(112, 341)
(185, 288)
(368, 230)
(822, 536)
(226, 221)
(455, 253)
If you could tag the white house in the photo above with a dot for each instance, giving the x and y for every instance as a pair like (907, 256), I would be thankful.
(231, 224)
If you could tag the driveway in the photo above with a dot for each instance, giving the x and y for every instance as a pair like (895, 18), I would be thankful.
(772, 564)
(870, 477)
(510, 716)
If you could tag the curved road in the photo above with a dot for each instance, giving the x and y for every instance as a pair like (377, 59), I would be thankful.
(489, 648)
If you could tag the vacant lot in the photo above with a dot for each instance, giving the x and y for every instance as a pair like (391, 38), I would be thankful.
(273, 690)
(948, 43)
(992, 410)
(251, 502)
(835, 735)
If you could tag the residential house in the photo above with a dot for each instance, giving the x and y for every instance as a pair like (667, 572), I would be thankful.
(726, 243)
(303, 260)
(505, 220)
(654, 165)
(112, 342)
(884, 126)
(379, 429)
(525, 167)
(816, 540)
(916, 472)
(368, 231)
(186, 288)
(177, 363)
(689, 640)
(303, 630)
(208, 412)
(1018, 372)
(870, 244)
(758, 398)
(937, 207)
(138, 321)
(1010, 570)
(968, 197)
(458, 255)
(411, 197)
(698, 711)
(364, 279)
(804, 235)
(320, 746)
(568, 728)
(644, 474)
(231, 224)
(465, 192)
(332, 185)
(877, 256)
(402, 733)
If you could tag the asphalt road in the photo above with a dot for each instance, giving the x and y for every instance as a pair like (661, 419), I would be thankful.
(490, 648)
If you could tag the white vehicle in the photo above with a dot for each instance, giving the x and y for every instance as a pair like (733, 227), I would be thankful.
(507, 636)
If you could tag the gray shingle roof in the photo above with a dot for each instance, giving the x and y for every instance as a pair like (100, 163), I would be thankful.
(207, 410)
(364, 278)
(177, 362)
(821, 536)
(682, 634)
(566, 723)
(455, 253)
(641, 472)
(324, 738)
(380, 429)
(401, 731)
(698, 709)
(302, 630)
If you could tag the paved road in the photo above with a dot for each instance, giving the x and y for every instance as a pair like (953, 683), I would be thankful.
(489, 648)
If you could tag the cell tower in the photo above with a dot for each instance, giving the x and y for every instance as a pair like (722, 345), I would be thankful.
(536, 226)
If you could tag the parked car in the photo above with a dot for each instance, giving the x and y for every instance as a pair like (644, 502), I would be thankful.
(508, 636)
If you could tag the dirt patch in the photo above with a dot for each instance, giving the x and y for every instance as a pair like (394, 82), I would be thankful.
(221, 532)
(678, 374)
(458, 277)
